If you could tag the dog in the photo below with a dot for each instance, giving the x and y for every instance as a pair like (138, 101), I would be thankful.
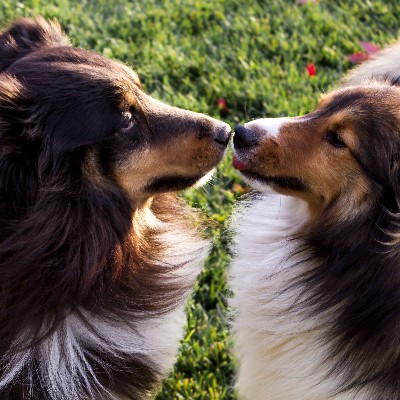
(316, 278)
(97, 254)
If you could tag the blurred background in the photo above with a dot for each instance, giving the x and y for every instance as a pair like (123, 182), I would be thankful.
(235, 60)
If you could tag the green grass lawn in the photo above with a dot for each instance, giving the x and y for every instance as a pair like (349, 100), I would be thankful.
(189, 53)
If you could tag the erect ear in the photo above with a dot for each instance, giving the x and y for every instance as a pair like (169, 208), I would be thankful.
(27, 35)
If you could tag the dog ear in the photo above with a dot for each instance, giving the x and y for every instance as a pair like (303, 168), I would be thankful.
(27, 35)
(11, 106)
(17, 171)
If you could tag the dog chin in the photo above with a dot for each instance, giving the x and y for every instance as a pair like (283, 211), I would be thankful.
(178, 182)
(258, 185)
(202, 181)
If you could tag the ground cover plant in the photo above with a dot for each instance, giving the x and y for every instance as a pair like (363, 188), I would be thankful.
(264, 58)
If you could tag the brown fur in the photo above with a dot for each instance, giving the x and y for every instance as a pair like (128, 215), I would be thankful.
(85, 160)
(343, 159)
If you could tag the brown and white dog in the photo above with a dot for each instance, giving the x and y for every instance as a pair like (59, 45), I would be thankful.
(317, 270)
(96, 260)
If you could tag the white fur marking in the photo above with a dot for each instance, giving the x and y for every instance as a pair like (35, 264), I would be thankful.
(279, 352)
(202, 181)
(271, 126)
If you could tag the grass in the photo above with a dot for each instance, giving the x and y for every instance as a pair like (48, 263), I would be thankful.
(189, 53)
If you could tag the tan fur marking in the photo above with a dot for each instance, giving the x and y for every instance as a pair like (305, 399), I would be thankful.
(187, 157)
(301, 150)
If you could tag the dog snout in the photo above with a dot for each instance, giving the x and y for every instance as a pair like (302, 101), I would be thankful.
(222, 135)
(244, 137)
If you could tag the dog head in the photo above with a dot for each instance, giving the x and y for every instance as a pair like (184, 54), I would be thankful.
(346, 152)
(69, 110)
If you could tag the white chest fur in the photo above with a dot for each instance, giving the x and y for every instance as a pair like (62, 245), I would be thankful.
(64, 367)
(279, 354)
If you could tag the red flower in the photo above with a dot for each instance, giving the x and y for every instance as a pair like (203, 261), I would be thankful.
(222, 107)
(311, 70)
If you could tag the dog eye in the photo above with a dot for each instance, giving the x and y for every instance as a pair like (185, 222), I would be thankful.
(335, 139)
(128, 120)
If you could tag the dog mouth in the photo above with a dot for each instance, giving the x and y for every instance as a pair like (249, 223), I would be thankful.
(172, 183)
(283, 182)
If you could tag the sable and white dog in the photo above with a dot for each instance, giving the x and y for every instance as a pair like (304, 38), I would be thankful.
(316, 278)
(96, 259)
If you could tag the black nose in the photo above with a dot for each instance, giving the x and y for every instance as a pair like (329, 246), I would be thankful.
(244, 137)
(222, 135)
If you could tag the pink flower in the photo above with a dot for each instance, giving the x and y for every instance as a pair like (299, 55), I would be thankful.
(369, 48)
(358, 57)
